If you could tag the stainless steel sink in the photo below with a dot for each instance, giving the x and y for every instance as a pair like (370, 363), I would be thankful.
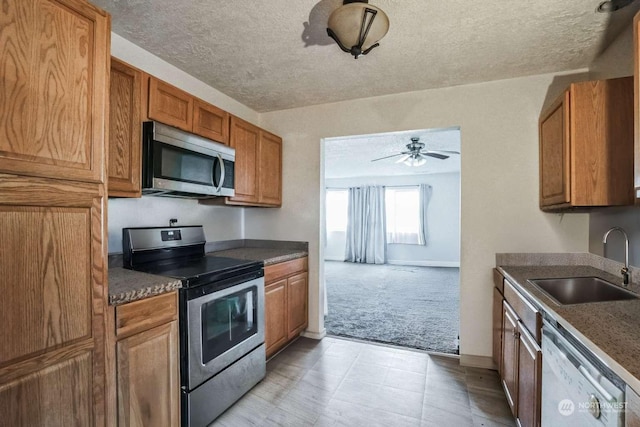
(577, 290)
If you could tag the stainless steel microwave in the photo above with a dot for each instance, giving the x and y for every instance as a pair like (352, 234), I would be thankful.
(180, 164)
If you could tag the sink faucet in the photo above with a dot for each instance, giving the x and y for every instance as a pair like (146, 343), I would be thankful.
(625, 270)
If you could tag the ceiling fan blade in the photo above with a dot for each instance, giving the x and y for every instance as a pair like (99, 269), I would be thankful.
(443, 151)
(403, 158)
(387, 157)
(435, 155)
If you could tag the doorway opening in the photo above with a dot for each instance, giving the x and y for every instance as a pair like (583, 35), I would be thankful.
(392, 238)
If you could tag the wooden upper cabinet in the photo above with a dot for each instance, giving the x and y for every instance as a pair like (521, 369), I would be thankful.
(586, 146)
(270, 169)
(210, 122)
(54, 60)
(554, 154)
(245, 139)
(170, 105)
(258, 168)
(125, 130)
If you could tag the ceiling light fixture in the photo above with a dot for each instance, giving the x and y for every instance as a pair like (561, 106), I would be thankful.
(358, 25)
(610, 6)
(415, 160)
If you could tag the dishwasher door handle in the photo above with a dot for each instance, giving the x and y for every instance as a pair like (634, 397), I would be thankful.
(585, 373)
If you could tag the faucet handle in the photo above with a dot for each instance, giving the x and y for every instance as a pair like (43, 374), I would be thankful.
(625, 275)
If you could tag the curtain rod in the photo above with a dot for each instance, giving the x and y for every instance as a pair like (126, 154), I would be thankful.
(360, 186)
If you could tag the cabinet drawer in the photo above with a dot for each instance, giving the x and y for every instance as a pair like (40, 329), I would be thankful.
(284, 269)
(498, 280)
(527, 313)
(142, 315)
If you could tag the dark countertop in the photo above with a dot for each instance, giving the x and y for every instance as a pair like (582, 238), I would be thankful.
(128, 285)
(268, 255)
(611, 330)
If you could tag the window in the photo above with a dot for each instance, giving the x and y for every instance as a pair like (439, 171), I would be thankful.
(336, 208)
(403, 214)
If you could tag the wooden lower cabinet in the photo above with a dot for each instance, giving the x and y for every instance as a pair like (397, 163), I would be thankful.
(52, 347)
(529, 378)
(147, 362)
(520, 355)
(509, 363)
(297, 300)
(497, 328)
(286, 303)
(275, 301)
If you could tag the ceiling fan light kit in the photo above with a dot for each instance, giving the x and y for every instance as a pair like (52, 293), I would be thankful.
(356, 26)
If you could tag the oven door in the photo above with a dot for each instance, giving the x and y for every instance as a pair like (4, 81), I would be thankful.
(223, 326)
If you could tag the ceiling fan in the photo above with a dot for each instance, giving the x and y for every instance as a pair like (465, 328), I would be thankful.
(415, 156)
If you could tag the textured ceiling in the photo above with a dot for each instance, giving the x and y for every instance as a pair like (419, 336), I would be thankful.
(350, 157)
(273, 55)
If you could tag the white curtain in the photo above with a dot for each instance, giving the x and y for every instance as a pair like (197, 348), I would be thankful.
(366, 234)
(425, 195)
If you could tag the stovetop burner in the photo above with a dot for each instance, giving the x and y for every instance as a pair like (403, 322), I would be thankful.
(202, 270)
(178, 252)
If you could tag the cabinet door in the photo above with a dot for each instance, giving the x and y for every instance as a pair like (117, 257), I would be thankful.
(125, 130)
(148, 387)
(270, 169)
(57, 395)
(53, 97)
(509, 364)
(275, 313)
(170, 105)
(53, 302)
(602, 142)
(529, 376)
(497, 327)
(244, 138)
(554, 154)
(210, 122)
(297, 294)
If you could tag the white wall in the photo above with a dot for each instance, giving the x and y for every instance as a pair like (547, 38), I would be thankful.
(443, 248)
(616, 61)
(221, 223)
(499, 179)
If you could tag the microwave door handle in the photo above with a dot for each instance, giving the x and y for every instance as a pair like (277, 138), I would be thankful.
(222, 173)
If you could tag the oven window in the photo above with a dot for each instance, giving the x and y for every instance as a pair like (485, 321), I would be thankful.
(228, 321)
(181, 165)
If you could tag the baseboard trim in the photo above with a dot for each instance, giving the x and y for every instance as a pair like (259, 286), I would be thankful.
(473, 361)
(314, 335)
(334, 259)
(425, 263)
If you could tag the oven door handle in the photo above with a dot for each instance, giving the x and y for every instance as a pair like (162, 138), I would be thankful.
(585, 373)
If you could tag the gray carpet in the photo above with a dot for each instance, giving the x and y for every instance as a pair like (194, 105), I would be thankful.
(413, 307)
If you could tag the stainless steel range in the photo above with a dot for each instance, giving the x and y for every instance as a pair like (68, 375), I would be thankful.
(222, 351)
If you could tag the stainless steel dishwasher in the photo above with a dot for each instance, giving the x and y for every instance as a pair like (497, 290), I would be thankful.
(578, 389)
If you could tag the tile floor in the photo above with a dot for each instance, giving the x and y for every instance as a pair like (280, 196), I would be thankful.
(337, 382)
